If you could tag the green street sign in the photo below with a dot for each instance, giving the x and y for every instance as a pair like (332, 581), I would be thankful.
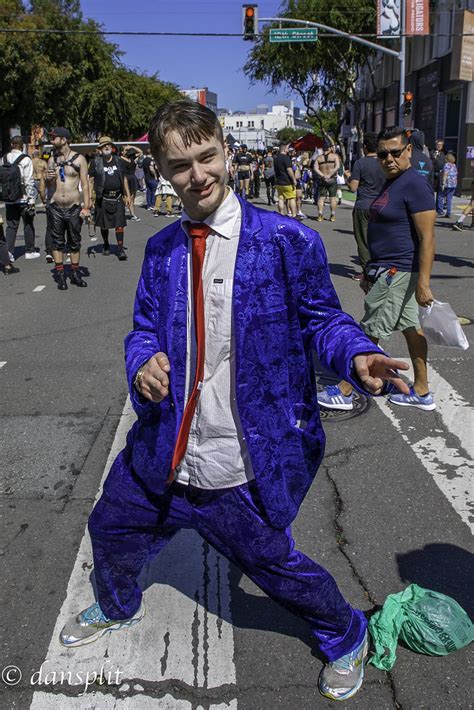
(294, 34)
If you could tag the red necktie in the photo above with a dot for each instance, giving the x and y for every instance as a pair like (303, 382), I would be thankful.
(199, 233)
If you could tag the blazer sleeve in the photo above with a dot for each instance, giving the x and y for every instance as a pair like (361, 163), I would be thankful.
(142, 342)
(333, 334)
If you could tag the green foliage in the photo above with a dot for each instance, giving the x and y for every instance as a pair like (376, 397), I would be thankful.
(75, 80)
(288, 135)
(323, 73)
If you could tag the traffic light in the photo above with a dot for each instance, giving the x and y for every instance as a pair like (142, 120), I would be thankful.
(249, 21)
(408, 103)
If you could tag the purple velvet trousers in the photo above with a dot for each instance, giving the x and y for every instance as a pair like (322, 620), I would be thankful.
(129, 524)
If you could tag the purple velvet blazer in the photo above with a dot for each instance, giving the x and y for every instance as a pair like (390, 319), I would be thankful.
(283, 306)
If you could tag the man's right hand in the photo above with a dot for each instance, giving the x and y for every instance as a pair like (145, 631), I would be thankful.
(154, 384)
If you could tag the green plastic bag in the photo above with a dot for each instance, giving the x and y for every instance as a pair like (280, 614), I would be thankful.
(425, 621)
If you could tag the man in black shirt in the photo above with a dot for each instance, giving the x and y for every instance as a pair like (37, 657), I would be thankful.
(285, 181)
(367, 179)
(111, 194)
(243, 164)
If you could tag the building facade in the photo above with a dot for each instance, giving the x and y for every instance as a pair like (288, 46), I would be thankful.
(202, 96)
(440, 75)
(258, 127)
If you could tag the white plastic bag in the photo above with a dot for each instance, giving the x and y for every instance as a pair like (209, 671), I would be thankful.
(441, 326)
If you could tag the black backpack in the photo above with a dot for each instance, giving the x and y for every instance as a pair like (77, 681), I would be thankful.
(11, 185)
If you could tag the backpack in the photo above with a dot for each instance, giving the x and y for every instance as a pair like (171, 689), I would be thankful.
(11, 184)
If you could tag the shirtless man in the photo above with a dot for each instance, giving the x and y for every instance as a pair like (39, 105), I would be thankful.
(326, 167)
(65, 170)
(39, 169)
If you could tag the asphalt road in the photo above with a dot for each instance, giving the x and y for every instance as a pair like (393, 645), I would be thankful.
(387, 508)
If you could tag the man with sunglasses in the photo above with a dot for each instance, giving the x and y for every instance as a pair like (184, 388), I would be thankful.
(65, 171)
(397, 277)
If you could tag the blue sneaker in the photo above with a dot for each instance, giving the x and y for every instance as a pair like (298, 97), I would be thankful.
(414, 400)
(341, 679)
(331, 397)
(92, 623)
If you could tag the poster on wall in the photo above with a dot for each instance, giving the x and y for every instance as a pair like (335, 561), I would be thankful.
(462, 56)
(388, 18)
(417, 18)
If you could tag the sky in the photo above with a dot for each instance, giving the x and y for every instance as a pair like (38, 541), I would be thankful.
(215, 62)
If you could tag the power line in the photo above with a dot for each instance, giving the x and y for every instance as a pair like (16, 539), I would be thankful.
(12, 30)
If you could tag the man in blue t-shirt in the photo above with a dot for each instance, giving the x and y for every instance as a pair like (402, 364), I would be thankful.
(397, 275)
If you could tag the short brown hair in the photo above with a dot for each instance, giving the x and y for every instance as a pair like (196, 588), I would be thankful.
(17, 142)
(193, 122)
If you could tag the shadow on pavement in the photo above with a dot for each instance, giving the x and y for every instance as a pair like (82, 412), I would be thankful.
(443, 568)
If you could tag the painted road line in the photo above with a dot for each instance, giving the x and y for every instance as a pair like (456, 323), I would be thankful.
(450, 469)
(186, 635)
(2, 364)
(140, 702)
(38, 289)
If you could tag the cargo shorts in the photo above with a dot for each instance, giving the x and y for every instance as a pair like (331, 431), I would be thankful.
(391, 306)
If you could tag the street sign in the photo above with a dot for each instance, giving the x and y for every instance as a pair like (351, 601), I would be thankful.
(294, 34)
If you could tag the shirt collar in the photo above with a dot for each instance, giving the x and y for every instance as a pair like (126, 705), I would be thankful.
(223, 220)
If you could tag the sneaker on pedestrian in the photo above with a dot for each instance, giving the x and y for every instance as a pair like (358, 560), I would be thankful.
(92, 623)
(458, 226)
(122, 256)
(169, 214)
(32, 255)
(331, 397)
(413, 399)
(9, 270)
(150, 209)
(49, 258)
(301, 215)
(320, 218)
(332, 218)
(135, 218)
(11, 257)
(341, 679)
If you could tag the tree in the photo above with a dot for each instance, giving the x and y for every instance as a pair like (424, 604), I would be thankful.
(324, 73)
(288, 134)
(70, 79)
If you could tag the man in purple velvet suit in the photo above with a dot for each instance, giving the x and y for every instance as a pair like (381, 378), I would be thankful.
(230, 303)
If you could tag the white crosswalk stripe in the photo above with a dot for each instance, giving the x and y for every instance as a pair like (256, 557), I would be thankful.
(186, 635)
(452, 469)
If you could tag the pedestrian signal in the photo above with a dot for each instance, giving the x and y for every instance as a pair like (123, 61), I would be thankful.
(249, 21)
(408, 103)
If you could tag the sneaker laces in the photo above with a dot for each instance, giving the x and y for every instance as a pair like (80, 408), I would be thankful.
(333, 390)
(95, 615)
(345, 664)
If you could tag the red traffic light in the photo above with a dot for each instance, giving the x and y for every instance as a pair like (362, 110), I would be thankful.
(250, 12)
(408, 96)
(249, 21)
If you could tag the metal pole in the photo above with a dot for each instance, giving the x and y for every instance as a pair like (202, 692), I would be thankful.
(402, 57)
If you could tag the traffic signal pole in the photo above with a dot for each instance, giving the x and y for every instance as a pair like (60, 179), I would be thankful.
(400, 55)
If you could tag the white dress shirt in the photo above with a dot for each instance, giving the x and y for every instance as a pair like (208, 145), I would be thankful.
(217, 454)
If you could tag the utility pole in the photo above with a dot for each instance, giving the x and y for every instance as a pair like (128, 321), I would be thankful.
(402, 58)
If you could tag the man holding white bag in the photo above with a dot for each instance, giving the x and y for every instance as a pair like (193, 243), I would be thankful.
(397, 277)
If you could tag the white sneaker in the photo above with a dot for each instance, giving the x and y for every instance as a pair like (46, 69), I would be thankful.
(32, 255)
(11, 257)
(300, 215)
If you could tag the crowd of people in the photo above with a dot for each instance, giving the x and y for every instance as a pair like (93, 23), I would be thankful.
(101, 188)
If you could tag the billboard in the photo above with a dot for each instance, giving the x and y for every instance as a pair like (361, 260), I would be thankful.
(417, 18)
(462, 57)
(388, 18)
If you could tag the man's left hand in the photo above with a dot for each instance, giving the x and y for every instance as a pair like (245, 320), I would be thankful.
(423, 296)
(373, 369)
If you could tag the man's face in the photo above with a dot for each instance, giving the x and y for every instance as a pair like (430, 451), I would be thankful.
(439, 145)
(106, 150)
(58, 142)
(197, 173)
(393, 165)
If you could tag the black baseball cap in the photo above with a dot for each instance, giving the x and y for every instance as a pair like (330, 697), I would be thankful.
(60, 132)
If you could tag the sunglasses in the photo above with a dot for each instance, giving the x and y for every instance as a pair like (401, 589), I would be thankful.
(395, 153)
